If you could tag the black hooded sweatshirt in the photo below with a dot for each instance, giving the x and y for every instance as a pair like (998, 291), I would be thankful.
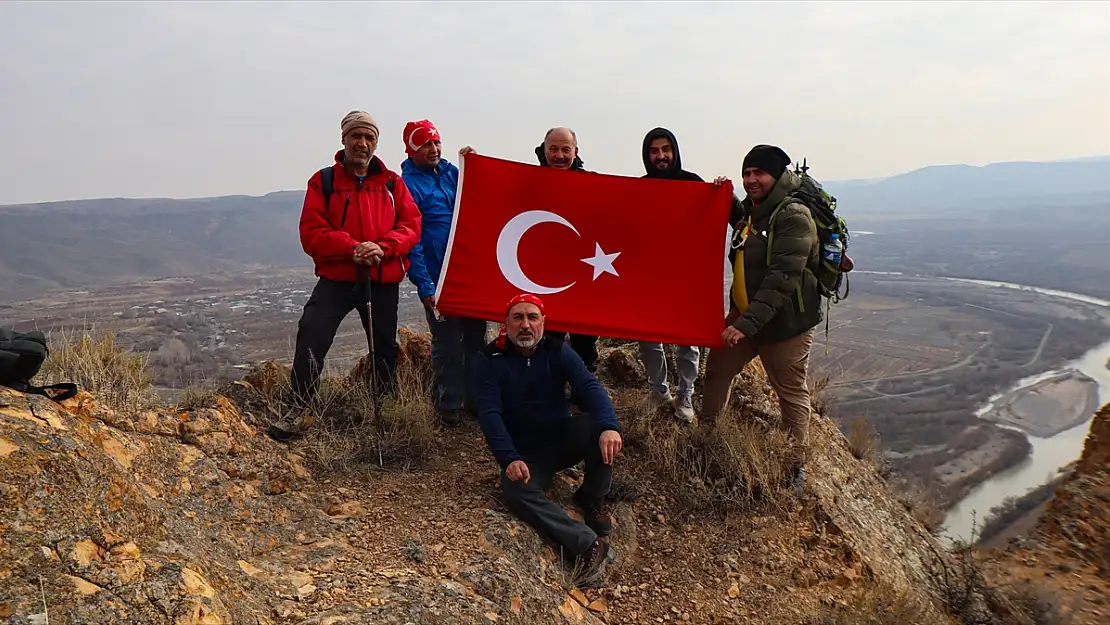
(674, 171)
(540, 154)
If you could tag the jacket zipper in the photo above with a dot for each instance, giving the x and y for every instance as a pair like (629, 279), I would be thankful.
(346, 203)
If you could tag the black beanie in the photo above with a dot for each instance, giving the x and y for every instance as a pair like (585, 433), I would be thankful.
(769, 158)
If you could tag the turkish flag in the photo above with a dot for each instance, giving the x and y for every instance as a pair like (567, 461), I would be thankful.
(631, 258)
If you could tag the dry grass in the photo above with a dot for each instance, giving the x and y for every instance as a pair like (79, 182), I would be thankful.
(863, 441)
(97, 363)
(196, 396)
(1030, 604)
(819, 398)
(921, 500)
(876, 605)
(972, 600)
(733, 465)
(345, 435)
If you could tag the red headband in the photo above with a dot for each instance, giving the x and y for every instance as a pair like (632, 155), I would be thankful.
(419, 133)
(524, 298)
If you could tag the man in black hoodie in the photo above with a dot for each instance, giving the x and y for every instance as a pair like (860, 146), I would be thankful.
(662, 160)
(661, 157)
(559, 150)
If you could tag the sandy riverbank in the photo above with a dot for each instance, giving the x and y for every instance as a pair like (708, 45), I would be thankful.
(1001, 450)
(1049, 406)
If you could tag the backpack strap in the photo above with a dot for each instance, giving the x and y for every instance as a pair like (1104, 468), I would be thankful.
(787, 201)
(57, 392)
(327, 183)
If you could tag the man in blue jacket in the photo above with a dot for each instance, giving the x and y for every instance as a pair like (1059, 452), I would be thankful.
(524, 413)
(433, 182)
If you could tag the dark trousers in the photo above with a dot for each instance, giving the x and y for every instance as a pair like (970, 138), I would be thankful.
(576, 442)
(326, 308)
(455, 345)
(585, 346)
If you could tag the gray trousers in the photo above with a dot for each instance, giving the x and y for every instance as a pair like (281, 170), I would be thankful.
(455, 346)
(655, 362)
(578, 441)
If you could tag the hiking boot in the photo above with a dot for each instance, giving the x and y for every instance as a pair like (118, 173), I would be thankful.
(799, 481)
(293, 425)
(596, 516)
(684, 409)
(591, 564)
(451, 418)
(657, 400)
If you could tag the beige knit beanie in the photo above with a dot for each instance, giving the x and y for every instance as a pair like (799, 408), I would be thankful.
(357, 119)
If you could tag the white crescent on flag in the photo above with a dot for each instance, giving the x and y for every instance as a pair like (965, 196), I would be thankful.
(508, 243)
(508, 258)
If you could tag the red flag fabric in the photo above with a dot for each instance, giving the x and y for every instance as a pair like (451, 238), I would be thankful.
(616, 256)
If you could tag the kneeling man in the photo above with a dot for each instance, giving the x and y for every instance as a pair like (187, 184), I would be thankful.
(520, 395)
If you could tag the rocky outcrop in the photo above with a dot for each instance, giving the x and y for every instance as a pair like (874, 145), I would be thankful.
(1066, 558)
(193, 518)
(1077, 518)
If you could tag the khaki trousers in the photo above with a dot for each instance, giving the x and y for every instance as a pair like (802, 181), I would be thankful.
(786, 363)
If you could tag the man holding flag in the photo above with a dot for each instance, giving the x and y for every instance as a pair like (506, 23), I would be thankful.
(775, 299)
(663, 161)
(559, 150)
(433, 182)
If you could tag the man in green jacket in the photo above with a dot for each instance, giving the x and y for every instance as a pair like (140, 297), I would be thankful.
(775, 302)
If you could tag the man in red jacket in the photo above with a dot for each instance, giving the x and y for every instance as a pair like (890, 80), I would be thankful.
(359, 239)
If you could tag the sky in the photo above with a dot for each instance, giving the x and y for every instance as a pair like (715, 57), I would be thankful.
(165, 99)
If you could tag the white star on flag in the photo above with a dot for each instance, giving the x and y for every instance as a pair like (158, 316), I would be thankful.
(602, 262)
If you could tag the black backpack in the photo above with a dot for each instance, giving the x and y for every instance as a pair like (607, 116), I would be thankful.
(21, 357)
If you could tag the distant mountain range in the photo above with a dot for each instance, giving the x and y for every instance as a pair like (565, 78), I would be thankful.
(947, 187)
(77, 244)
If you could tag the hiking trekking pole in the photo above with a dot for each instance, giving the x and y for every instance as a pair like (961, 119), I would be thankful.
(364, 286)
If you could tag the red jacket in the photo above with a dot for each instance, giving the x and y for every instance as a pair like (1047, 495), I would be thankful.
(357, 213)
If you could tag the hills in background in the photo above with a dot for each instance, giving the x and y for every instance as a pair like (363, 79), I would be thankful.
(79, 244)
(946, 187)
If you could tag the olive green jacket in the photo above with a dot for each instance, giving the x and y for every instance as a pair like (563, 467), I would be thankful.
(783, 298)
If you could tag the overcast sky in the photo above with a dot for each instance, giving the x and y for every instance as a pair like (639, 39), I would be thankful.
(199, 99)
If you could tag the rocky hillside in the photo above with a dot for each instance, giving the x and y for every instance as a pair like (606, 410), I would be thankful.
(1068, 553)
(190, 515)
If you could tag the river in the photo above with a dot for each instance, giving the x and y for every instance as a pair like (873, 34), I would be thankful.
(1048, 454)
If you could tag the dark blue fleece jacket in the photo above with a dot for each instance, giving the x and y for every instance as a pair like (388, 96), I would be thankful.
(522, 401)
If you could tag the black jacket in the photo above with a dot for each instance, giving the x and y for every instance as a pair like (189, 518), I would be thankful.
(521, 400)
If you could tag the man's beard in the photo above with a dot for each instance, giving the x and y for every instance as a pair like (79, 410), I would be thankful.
(527, 342)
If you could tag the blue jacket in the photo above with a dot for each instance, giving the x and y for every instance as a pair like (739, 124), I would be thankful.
(434, 192)
(522, 401)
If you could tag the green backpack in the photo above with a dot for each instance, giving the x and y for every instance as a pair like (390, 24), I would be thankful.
(822, 207)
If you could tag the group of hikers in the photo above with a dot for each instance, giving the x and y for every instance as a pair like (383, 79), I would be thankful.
(367, 228)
